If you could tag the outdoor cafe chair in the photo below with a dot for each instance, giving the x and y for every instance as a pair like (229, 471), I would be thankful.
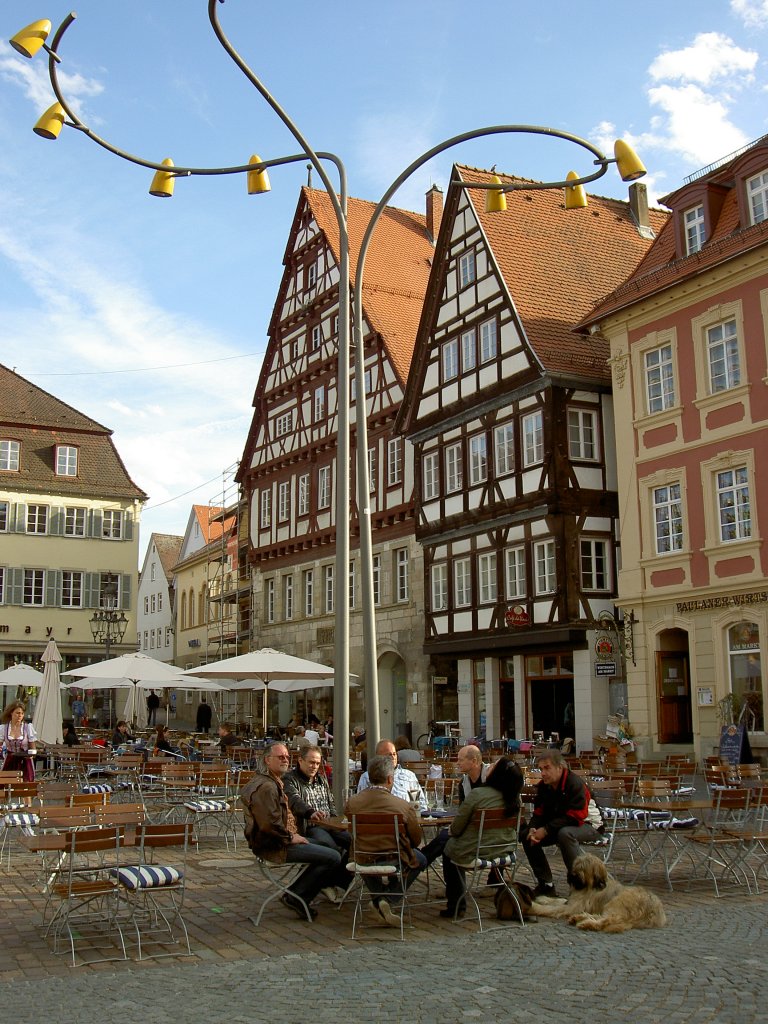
(718, 848)
(212, 807)
(17, 812)
(381, 874)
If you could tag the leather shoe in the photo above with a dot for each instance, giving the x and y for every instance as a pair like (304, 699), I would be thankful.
(297, 907)
(386, 914)
(452, 913)
(545, 889)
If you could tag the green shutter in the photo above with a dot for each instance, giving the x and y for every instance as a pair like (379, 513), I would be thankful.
(125, 591)
(56, 521)
(21, 518)
(15, 586)
(91, 589)
(52, 587)
(128, 526)
(96, 523)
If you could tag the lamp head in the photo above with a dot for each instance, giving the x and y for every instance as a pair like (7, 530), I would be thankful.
(30, 39)
(495, 200)
(258, 181)
(50, 123)
(575, 196)
(628, 162)
(163, 182)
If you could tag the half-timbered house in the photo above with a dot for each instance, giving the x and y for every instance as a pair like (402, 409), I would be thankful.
(289, 470)
(510, 416)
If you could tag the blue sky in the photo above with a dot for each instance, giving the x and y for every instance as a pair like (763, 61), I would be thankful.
(151, 315)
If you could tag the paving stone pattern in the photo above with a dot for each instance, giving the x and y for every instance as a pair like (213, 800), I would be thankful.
(709, 964)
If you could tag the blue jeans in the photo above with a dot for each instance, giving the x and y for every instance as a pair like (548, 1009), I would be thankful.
(324, 869)
(388, 887)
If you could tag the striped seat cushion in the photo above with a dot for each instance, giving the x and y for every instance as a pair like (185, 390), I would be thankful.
(505, 861)
(20, 818)
(199, 806)
(96, 787)
(147, 876)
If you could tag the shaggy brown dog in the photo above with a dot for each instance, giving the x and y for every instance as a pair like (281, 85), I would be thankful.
(598, 903)
(506, 909)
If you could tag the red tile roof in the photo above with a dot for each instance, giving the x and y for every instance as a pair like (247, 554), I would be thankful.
(556, 264)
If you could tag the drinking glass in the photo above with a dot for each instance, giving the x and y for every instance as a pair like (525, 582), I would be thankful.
(439, 793)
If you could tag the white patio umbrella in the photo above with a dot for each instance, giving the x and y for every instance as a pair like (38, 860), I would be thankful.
(21, 675)
(47, 716)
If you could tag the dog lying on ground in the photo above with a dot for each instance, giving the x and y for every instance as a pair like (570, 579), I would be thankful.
(506, 910)
(598, 903)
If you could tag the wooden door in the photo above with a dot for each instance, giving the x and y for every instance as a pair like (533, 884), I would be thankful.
(674, 697)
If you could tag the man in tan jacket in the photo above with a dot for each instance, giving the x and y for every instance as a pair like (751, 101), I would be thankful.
(377, 798)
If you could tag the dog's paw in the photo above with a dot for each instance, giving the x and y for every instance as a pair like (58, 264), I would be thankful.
(550, 901)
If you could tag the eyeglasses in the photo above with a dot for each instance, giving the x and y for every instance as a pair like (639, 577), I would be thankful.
(280, 757)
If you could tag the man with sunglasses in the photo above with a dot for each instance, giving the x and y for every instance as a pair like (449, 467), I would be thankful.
(273, 834)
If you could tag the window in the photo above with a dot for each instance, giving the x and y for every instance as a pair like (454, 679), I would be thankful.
(454, 474)
(146, 605)
(309, 592)
(284, 424)
(319, 410)
(533, 438)
(659, 379)
(377, 579)
(401, 574)
(733, 504)
(269, 600)
(34, 585)
(693, 220)
(371, 470)
(515, 558)
(9, 456)
(112, 524)
(3, 516)
(757, 193)
(284, 501)
(288, 597)
(317, 338)
(324, 487)
(467, 269)
(311, 275)
(486, 578)
(504, 449)
(668, 518)
(351, 585)
(294, 349)
(303, 501)
(146, 640)
(746, 671)
(478, 459)
(2, 584)
(167, 636)
(468, 353)
(723, 349)
(544, 566)
(266, 509)
(328, 588)
(488, 339)
(439, 576)
(594, 565)
(153, 604)
(159, 600)
(462, 583)
(66, 460)
(394, 461)
(367, 384)
(152, 639)
(430, 478)
(582, 434)
(450, 358)
(71, 589)
(37, 518)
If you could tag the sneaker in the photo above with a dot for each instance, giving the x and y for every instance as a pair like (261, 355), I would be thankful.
(295, 904)
(545, 889)
(331, 893)
(385, 913)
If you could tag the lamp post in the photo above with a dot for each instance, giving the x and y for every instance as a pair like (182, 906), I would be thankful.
(30, 40)
(108, 624)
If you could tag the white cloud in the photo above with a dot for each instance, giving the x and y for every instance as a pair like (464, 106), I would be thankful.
(32, 79)
(711, 57)
(698, 124)
(754, 13)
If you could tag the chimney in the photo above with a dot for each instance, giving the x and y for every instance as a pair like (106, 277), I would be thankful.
(638, 204)
(434, 212)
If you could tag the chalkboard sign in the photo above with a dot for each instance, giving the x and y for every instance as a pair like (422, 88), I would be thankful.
(734, 744)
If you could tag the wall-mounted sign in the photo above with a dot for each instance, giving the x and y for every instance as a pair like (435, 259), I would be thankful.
(604, 647)
(517, 615)
(605, 668)
(439, 680)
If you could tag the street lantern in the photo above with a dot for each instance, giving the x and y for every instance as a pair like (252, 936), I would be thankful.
(108, 624)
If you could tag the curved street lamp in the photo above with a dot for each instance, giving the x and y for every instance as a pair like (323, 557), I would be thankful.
(33, 38)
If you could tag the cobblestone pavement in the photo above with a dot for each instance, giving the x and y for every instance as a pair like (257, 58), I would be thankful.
(708, 964)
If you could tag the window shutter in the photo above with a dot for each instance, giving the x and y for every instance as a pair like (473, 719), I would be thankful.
(125, 591)
(96, 523)
(56, 522)
(15, 586)
(52, 587)
(21, 518)
(91, 589)
(127, 526)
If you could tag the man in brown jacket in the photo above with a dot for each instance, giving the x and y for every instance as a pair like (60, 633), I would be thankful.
(387, 890)
(272, 833)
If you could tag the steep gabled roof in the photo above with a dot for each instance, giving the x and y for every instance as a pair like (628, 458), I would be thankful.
(396, 271)
(168, 546)
(556, 263)
(39, 421)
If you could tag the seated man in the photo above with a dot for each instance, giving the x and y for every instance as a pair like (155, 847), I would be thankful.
(122, 734)
(559, 816)
(474, 771)
(272, 833)
(405, 784)
(377, 798)
(227, 738)
(311, 801)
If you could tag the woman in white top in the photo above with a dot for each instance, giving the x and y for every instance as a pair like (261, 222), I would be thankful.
(19, 742)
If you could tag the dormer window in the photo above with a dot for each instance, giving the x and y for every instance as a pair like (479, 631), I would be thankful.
(757, 194)
(694, 229)
(9, 456)
(66, 460)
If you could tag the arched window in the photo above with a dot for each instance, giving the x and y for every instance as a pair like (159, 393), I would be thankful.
(183, 611)
(746, 672)
(202, 617)
(191, 606)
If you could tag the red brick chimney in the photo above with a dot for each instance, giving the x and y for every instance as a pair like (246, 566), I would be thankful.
(434, 212)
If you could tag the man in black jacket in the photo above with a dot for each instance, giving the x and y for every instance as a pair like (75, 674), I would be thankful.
(311, 801)
(559, 816)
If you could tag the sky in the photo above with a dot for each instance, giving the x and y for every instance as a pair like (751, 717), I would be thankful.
(151, 315)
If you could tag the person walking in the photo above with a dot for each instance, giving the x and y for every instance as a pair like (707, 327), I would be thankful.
(153, 703)
(204, 713)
